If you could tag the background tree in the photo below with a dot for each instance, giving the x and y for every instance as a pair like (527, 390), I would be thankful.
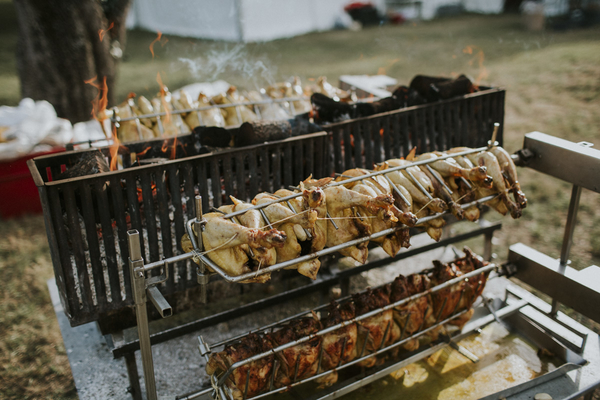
(62, 44)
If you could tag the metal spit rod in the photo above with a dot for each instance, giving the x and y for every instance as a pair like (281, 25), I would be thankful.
(369, 314)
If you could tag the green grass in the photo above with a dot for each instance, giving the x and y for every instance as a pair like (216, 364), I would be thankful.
(552, 82)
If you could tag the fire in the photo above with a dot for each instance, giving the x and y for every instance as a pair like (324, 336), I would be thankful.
(101, 100)
(158, 39)
(479, 56)
(143, 152)
(114, 151)
(174, 149)
(381, 131)
(102, 32)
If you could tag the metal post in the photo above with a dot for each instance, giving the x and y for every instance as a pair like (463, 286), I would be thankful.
(568, 237)
(138, 283)
(202, 276)
(134, 378)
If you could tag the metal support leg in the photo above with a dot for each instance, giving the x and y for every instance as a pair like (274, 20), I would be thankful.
(568, 237)
(487, 246)
(138, 282)
(134, 378)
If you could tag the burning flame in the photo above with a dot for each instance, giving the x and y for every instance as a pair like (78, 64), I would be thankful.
(114, 151)
(102, 32)
(101, 100)
(158, 39)
(381, 131)
(479, 57)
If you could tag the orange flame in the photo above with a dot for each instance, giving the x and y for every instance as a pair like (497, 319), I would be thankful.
(114, 151)
(158, 39)
(165, 146)
(101, 100)
(102, 32)
(381, 131)
(174, 149)
(479, 57)
(143, 152)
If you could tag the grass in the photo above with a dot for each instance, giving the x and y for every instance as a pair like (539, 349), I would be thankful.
(552, 86)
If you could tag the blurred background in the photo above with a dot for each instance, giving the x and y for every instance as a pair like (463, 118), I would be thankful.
(546, 54)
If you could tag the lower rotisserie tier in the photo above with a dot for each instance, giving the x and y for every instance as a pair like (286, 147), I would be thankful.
(364, 329)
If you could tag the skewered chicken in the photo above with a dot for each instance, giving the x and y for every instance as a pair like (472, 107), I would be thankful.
(234, 115)
(411, 317)
(340, 203)
(224, 240)
(300, 361)
(130, 131)
(268, 111)
(293, 224)
(209, 117)
(490, 161)
(338, 346)
(374, 332)
(259, 371)
(510, 173)
(352, 340)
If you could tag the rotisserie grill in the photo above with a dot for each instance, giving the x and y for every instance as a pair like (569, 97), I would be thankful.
(250, 213)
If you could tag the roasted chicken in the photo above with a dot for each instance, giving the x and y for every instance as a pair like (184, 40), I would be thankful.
(352, 340)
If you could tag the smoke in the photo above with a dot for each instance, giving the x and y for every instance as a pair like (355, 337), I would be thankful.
(224, 61)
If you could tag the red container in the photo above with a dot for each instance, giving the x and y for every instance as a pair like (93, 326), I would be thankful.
(18, 193)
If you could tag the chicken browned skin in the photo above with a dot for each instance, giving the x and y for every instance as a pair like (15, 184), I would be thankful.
(446, 301)
(510, 172)
(377, 331)
(339, 346)
(300, 361)
(259, 371)
(411, 316)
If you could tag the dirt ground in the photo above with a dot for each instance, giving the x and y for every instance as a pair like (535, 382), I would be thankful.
(552, 80)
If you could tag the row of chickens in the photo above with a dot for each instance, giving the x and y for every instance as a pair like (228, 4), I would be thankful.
(356, 339)
(326, 215)
(182, 123)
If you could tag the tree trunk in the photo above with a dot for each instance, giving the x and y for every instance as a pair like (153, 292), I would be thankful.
(60, 47)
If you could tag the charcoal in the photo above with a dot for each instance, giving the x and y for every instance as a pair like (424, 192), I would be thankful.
(329, 110)
(422, 85)
(456, 87)
(213, 136)
(256, 132)
(90, 163)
